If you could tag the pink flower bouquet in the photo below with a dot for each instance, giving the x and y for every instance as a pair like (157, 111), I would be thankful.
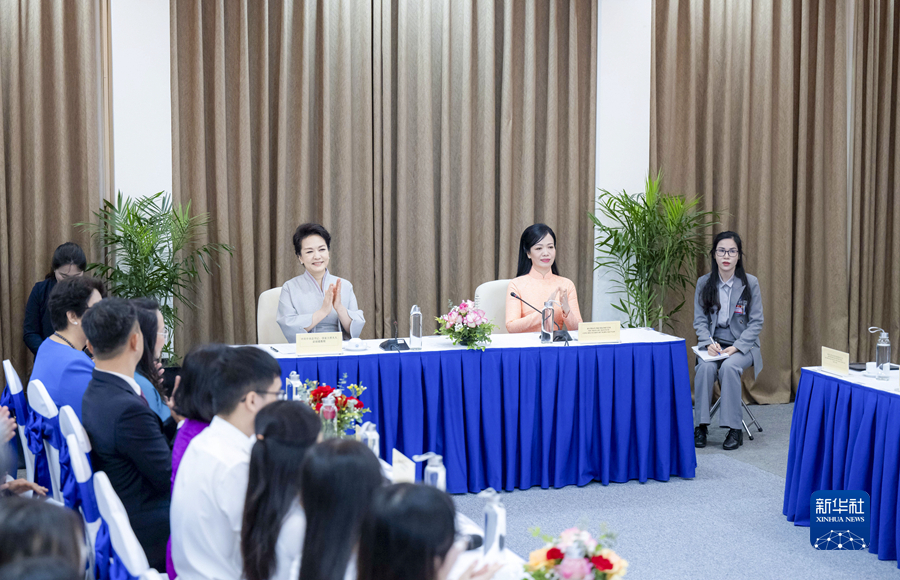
(574, 555)
(467, 325)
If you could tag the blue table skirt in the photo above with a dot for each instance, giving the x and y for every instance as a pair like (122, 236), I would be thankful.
(518, 417)
(846, 436)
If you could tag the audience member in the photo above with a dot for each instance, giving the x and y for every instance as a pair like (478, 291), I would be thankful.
(149, 369)
(192, 404)
(126, 436)
(409, 534)
(211, 485)
(285, 430)
(61, 363)
(69, 261)
(337, 481)
(38, 529)
(8, 485)
(39, 569)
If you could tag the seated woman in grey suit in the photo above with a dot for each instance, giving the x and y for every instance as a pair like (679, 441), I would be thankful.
(728, 316)
(317, 300)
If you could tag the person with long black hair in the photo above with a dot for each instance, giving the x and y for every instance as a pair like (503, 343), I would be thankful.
(538, 281)
(409, 534)
(149, 369)
(728, 317)
(337, 481)
(285, 430)
(68, 261)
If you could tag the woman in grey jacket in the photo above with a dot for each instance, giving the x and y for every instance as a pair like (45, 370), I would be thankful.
(728, 317)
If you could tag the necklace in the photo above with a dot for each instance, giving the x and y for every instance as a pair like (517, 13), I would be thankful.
(64, 339)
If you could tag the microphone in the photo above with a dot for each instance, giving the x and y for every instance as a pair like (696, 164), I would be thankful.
(558, 335)
(394, 343)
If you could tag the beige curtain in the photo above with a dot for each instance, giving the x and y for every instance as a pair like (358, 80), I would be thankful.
(748, 110)
(272, 126)
(875, 230)
(49, 147)
(424, 135)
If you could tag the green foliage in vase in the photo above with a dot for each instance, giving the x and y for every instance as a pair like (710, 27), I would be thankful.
(151, 249)
(650, 242)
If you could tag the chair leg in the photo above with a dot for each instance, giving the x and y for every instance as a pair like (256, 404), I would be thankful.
(753, 420)
(715, 407)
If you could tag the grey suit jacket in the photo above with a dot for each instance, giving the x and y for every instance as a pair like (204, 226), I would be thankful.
(745, 326)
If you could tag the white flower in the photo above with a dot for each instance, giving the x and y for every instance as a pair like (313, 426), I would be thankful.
(458, 327)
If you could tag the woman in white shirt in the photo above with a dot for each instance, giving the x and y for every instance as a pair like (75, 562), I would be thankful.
(317, 300)
(338, 479)
(285, 430)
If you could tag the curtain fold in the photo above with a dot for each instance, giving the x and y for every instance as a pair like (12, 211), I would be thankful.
(424, 135)
(49, 147)
(748, 110)
(875, 229)
(272, 127)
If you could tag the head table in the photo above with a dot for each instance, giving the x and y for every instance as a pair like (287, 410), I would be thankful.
(845, 435)
(522, 414)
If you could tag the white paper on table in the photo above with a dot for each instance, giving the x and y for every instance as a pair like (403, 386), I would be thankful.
(705, 356)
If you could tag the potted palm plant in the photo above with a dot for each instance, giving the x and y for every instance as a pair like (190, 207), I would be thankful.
(151, 248)
(649, 241)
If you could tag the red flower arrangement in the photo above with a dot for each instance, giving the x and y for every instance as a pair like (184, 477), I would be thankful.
(349, 409)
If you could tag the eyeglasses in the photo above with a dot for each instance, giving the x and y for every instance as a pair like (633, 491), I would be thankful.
(164, 333)
(722, 252)
(279, 394)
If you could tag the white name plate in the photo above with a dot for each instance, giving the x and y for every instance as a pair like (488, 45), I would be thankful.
(835, 361)
(404, 468)
(319, 343)
(599, 332)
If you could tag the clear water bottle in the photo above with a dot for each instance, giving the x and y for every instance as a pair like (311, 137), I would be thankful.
(328, 414)
(883, 356)
(296, 388)
(547, 322)
(415, 328)
(435, 473)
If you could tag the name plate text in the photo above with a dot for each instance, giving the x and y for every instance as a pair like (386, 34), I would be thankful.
(319, 343)
(599, 332)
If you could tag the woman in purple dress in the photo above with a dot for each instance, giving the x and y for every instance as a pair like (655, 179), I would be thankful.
(192, 407)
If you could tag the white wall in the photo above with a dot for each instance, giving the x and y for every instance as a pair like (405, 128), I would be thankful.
(623, 113)
(142, 100)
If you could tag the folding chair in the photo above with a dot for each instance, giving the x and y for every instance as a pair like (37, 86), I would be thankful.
(753, 420)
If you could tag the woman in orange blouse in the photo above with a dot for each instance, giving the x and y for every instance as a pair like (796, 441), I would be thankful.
(538, 281)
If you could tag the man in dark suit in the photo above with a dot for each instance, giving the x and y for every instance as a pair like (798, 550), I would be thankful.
(127, 440)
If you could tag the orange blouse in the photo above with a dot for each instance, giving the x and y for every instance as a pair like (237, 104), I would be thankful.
(535, 289)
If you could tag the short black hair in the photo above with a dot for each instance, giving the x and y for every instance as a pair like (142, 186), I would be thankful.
(305, 230)
(33, 528)
(199, 374)
(108, 325)
(72, 295)
(68, 253)
(243, 369)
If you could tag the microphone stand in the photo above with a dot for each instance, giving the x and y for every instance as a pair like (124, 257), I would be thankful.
(558, 335)
(394, 344)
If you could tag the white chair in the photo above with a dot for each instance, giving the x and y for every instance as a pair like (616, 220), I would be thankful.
(267, 329)
(124, 543)
(491, 297)
(40, 402)
(20, 406)
(83, 473)
(69, 424)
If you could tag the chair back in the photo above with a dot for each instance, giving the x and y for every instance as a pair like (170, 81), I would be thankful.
(20, 406)
(69, 424)
(491, 297)
(41, 404)
(125, 544)
(267, 329)
(90, 513)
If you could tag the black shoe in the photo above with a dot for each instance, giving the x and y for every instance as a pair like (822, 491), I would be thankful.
(700, 436)
(734, 440)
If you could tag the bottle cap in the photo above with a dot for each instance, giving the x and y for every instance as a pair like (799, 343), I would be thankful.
(874, 329)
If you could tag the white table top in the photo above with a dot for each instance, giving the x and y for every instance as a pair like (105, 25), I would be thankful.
(434, 343)
(892, 385)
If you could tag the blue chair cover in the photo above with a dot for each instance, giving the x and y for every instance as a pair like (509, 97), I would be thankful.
(118, 571)
(102, 546)
(34, 435)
